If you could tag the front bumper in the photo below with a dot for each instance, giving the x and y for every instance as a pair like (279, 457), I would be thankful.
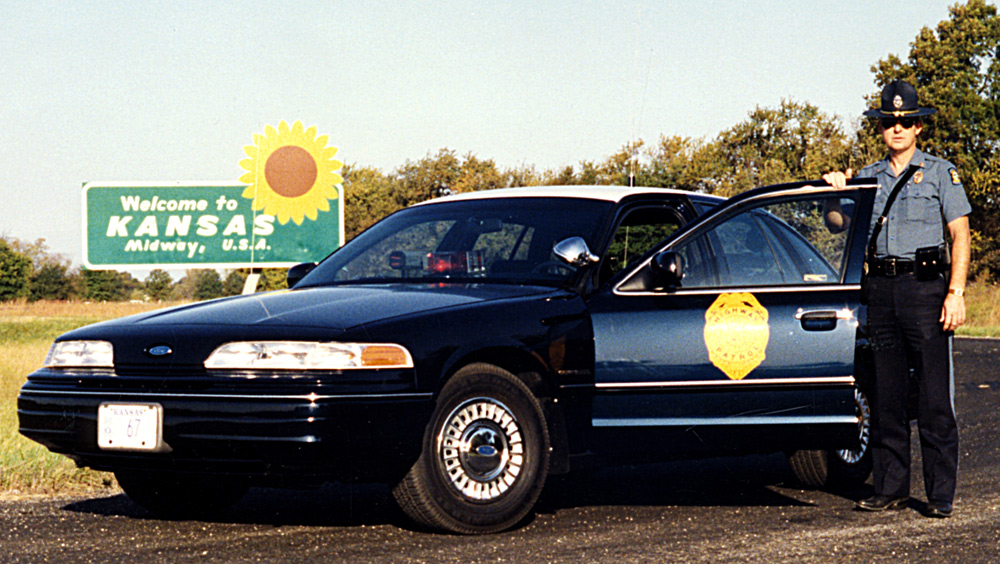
(286, 434)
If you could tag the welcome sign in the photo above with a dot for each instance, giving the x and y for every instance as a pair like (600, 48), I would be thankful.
(204, 225)
(287, 209)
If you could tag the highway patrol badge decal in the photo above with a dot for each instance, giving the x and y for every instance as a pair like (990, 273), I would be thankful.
(736, 334)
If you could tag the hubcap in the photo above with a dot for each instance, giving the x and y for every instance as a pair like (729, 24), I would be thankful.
(863, 410)
(480, 449)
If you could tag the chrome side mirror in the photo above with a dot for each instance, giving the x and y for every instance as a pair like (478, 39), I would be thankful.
(575, 251)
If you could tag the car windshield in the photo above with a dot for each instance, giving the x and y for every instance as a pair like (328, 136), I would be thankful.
(494, 239)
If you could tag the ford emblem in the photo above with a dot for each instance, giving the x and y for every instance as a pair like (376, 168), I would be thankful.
(486, 450)
(160, 350)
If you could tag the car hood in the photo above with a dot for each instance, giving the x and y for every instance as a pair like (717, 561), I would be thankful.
(334, 307)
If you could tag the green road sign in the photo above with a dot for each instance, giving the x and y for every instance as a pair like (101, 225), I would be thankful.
(200, 225)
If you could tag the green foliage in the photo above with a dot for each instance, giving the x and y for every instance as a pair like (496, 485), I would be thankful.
(52, 282)
(108, 285)
(232, 285)
(272, 279)
(159, 285)
(207, 284)
(793, 142)
(15, 273)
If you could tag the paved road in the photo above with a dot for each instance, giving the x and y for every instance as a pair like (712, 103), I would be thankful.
(732, 510)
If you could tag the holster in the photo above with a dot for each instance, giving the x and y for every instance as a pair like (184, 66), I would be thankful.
(931, 261)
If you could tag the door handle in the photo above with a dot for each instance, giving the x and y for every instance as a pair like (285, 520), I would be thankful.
(822, 319)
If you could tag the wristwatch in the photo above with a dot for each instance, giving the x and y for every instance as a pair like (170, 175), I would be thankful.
(957, 291)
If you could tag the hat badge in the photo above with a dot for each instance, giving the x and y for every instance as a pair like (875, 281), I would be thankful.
(897, 102)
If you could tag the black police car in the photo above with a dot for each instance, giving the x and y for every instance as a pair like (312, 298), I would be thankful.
(465, 348)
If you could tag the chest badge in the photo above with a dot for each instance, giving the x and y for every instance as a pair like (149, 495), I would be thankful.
(918, 177)
(736, 334)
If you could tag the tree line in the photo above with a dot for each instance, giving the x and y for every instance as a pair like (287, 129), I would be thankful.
(955, 67)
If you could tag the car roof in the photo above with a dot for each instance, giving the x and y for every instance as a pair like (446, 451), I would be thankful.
(594, 192)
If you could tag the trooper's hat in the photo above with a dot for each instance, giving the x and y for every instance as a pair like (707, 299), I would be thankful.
(899, 99)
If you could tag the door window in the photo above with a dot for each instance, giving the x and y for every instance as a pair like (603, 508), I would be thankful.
(783, 243)
(639, 232)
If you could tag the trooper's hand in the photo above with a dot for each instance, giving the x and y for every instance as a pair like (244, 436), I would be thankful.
(952, 312)
(838, 179)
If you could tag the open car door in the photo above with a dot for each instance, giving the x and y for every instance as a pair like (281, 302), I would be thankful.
(740, 332)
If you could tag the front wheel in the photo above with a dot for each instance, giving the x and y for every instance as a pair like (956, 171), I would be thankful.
(485, 455)
(838, 468)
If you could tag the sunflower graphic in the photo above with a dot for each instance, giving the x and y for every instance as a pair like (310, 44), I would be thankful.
(291, 173)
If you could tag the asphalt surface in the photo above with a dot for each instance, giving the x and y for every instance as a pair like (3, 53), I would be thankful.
(730, 510)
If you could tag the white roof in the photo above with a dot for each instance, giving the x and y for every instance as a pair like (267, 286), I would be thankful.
(607, 193)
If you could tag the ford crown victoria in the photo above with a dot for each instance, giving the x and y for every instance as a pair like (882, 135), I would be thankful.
(465, 348)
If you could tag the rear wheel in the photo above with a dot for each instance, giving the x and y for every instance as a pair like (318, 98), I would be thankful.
(180, 495)
(485, 455)
(838, 468)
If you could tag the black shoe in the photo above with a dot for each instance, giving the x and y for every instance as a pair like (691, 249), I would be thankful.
(938, 509)
(882, 503)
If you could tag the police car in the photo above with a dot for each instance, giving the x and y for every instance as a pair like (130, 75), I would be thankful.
(465, 348)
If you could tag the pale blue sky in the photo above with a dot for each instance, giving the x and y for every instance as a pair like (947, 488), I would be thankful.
(172, 91)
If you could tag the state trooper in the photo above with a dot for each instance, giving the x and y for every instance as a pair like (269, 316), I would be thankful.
(915, 302)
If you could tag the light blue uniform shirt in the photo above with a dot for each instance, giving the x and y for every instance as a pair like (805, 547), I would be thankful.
(932, 198)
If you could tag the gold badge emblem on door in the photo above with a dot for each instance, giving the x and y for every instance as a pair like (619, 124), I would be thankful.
(736, 334)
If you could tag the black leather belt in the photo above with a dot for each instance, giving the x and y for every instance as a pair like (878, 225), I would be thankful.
(889, 267)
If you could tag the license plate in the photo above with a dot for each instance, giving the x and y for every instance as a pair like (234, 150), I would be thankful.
(122, 426)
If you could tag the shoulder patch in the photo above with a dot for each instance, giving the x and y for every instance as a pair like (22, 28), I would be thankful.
(954, 176)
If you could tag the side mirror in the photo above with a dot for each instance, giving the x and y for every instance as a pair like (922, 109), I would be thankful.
(668, 269)
(575, 251)
(298, 272)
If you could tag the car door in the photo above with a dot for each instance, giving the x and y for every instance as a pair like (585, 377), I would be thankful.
(753, 348)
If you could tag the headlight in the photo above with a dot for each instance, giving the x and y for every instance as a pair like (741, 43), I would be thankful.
(73, 354)
(302, 355)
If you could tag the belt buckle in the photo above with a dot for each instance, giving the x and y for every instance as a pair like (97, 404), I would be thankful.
(890, 268)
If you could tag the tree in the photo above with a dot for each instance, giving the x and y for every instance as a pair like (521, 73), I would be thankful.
(207, 285)
(108, 285)
(51, 278)
(52, 282)
(679, 162)
(233, 283)
(15, 273)
(159, 285)
(956, 69)
(368, 197)
(272, 279)
(794, 142)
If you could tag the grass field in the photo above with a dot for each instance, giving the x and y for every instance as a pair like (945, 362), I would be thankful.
(27, 330)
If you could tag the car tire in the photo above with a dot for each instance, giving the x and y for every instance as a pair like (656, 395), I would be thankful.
(838, 468)
(485, 455)
(180, 496)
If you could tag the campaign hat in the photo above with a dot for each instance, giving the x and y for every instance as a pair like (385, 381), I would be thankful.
(899, 99)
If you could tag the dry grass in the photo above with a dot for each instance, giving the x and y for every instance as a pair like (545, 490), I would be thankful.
(23, 310)
(27, 467)
(26, 331)
(982, 304)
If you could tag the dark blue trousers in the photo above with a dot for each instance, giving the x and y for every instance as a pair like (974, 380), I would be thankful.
(903, 322)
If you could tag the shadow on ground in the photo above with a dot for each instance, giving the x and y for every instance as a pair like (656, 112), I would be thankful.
(750, 481)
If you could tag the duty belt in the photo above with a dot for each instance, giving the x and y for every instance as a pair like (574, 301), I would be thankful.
(889, 267)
